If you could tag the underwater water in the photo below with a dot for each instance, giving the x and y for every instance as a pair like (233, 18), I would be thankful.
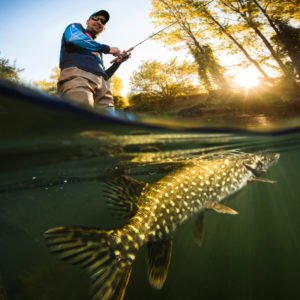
(54, 165)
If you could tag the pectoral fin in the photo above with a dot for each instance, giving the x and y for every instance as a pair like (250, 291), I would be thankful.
(158, 260)
(266, 180)
(223, 209)
(198, 229)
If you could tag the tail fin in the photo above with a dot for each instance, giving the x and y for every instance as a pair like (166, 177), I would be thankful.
(96, 251)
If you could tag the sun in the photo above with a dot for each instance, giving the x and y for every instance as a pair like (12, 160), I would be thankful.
(247, 78)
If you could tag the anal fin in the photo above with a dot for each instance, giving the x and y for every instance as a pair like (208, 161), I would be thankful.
(158, 258)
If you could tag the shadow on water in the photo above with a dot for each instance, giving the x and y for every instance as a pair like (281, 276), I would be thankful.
(56, 157)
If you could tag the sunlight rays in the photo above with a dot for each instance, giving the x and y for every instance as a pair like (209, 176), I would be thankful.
(247, 78)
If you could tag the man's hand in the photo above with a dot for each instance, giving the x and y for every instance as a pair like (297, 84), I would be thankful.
(123, 56)
(115, 51)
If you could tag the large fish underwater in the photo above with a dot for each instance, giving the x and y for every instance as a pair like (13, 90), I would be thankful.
(155, 211)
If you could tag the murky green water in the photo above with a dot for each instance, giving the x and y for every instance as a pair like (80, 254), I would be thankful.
(54, 165)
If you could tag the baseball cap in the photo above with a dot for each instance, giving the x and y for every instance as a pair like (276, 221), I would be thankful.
(103, 13)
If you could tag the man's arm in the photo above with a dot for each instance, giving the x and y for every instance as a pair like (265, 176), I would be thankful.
(74, 35)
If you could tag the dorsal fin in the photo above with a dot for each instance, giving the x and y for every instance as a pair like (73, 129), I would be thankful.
(158, 258)
(123, 195)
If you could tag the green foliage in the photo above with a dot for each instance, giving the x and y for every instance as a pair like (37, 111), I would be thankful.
(9, 71)
(157, 86)
(116, 85)
(49, 86)
(120, 102)
(163, 80)
(145, 103)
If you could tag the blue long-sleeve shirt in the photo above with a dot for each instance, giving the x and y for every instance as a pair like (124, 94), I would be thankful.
(79, 50)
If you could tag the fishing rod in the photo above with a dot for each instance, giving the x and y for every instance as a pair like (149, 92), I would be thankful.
(126, 53)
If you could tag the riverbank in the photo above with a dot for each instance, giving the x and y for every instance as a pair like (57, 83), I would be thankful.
(272, 101)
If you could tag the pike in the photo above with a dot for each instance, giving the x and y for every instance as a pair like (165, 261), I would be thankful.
(155, 211)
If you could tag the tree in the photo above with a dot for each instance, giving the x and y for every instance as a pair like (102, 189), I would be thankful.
(186, 33)
(241, 27)
(289, 36)
(163, 80)
(116, 85)
(49, 86)
(286, 37)
(227, 30)
(9, 71)
(250, 13)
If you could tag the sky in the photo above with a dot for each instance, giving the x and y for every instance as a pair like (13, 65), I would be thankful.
(31, 30)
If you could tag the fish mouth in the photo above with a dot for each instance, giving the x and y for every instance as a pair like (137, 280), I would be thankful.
(273, 159)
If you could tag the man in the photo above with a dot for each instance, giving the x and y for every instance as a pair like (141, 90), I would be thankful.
(83, 77)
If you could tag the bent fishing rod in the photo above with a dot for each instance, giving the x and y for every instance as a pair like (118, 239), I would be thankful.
(126, 53)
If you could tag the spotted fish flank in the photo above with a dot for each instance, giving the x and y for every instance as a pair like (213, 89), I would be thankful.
(155, 211)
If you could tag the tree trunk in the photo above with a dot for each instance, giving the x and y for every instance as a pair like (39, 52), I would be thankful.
(243, 50)
(283, 38)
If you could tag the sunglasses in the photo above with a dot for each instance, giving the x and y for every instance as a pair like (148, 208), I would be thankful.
(98, 18)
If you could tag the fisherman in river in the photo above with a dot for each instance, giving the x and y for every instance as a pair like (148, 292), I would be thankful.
(83, 77)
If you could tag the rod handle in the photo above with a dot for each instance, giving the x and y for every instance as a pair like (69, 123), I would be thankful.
(124, 54)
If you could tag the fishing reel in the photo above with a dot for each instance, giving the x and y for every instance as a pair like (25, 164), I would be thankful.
(123, 57)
